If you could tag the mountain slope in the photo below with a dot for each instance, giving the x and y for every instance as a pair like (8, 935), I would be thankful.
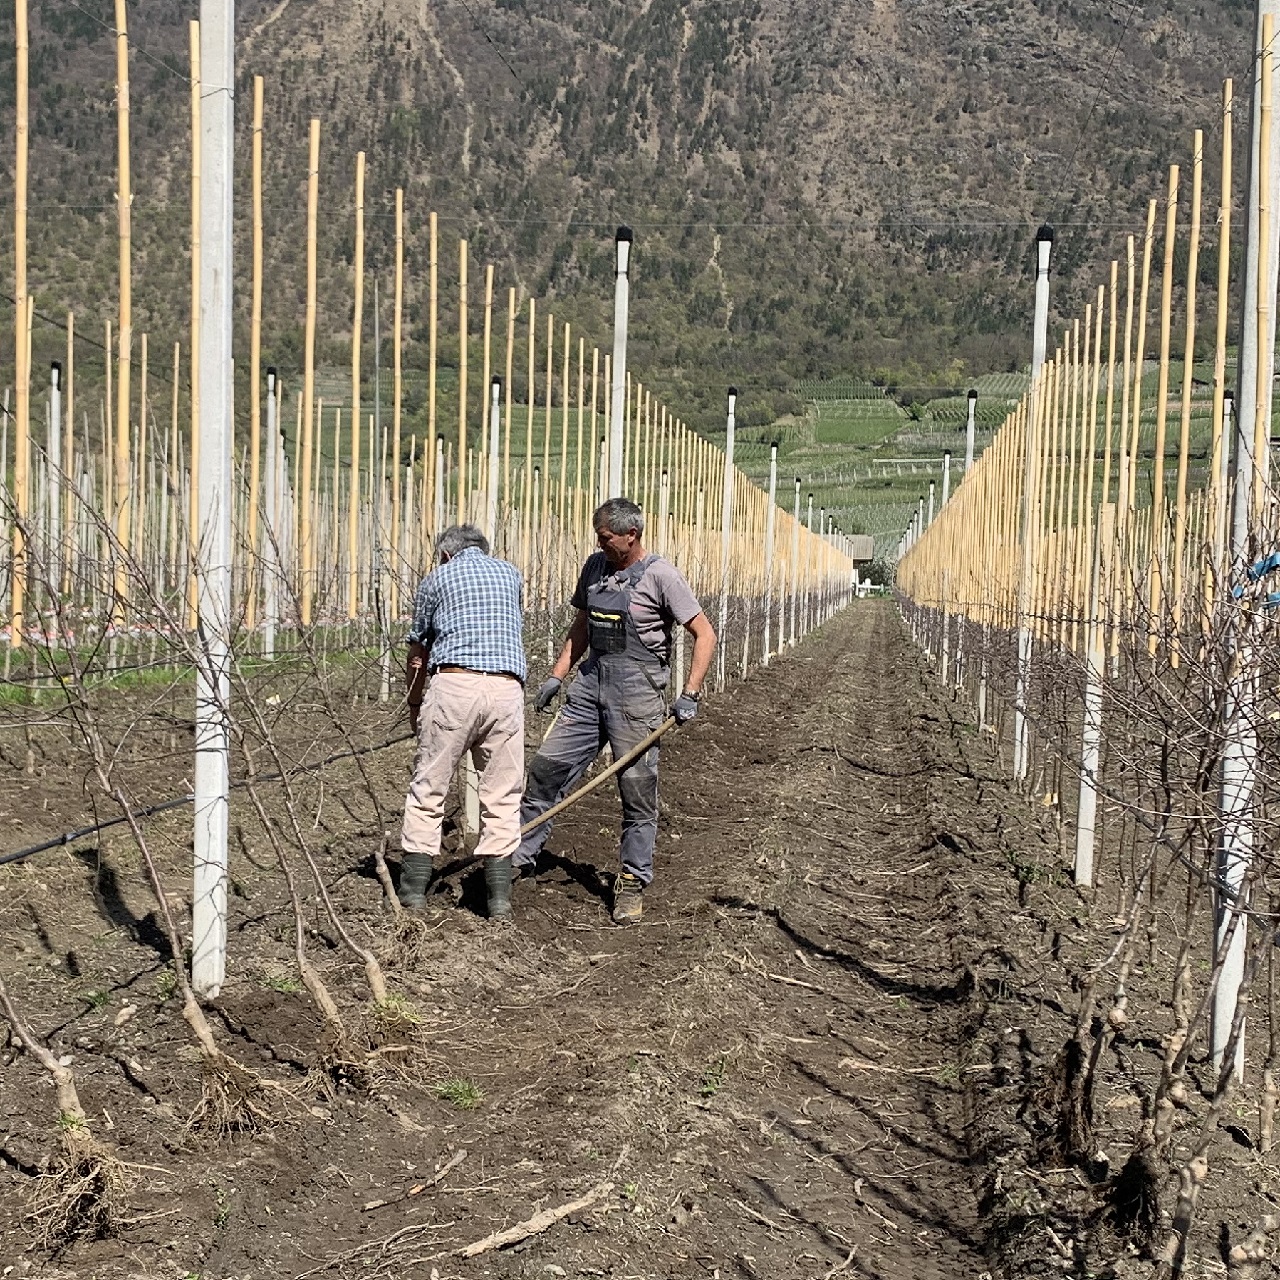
(817, 187)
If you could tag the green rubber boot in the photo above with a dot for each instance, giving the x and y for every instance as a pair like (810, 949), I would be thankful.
(415, 875)
(497, 879)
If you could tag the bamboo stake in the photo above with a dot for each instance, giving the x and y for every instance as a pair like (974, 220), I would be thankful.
(173, 478)
(1217, 467)
(124, 204)
(506, 421)
(431, 480)
(1262, 405)
(22, 390)
(564, 437)
(577, 474)
(107, 405)
(486, 372)
(1188, 369)
(595, 383)
(307, 536)
(357, 324)
(397, 388)
(526, 522)
(548, 426)
(607, 427)
(462, 381)
(1135, 426)
(335, 489)
(69, 399)
(138, 479)
(1155, 570)
(1123, 463)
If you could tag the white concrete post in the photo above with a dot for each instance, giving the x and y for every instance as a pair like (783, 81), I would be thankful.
(495, 460)
(726, 535)
(969, 431)
(618, 410)
(946, 476)
(1247, 372)
(438, 496)
(1091, 738)
(795, 560)
(1039, 342)
(931, 496)
(662, 542)
(768, 549)
(808, 595)
(1239, 754)
(271, 530)
(53, 542)
(946, 628)
(213, 601)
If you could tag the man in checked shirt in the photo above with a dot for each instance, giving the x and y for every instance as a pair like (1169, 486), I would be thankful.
(467, 637)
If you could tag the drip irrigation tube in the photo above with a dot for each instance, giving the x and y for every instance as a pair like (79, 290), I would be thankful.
(71, 837)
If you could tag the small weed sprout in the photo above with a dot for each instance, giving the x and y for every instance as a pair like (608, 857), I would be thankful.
(713, 1078)
(281, 983)
(466, 1095)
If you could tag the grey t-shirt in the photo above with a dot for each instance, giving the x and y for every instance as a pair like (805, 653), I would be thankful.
(659, 600)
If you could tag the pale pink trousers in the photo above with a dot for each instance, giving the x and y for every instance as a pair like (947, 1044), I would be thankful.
(468, 711)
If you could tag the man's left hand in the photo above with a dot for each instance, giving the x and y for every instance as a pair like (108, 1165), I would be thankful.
(684, 708)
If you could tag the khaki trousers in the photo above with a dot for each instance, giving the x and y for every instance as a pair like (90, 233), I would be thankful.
(468, 711)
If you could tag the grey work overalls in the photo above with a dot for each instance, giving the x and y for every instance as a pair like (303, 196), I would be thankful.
(618, 698)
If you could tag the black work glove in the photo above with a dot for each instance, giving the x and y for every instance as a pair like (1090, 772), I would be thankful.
(684, 708)
(546, 694)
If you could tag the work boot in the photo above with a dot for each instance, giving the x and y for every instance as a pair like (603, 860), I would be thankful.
(415, 875)
(628, 899)
(497, 879)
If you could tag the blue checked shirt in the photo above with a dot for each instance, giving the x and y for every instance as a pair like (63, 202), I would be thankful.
(467, 613)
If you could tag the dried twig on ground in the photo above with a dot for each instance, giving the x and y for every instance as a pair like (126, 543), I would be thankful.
(453, 1162)
(842, 1266)
(539, 1222)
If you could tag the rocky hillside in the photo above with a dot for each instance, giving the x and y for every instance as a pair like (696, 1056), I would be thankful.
(817, 186)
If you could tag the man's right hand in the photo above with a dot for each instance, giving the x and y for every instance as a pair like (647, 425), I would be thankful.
(546, 694)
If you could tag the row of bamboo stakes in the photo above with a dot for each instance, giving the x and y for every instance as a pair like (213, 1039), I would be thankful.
(1111, 539)
(118, 526)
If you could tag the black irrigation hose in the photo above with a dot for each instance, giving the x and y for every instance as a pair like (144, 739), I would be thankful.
(71, 837)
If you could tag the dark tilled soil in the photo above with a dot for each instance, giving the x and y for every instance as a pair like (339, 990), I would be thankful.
(812, 1059)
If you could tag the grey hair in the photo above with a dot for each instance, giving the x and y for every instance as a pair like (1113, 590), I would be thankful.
(459, 537)
(618, 515)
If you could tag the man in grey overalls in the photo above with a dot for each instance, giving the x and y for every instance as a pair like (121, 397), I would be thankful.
(627, 602)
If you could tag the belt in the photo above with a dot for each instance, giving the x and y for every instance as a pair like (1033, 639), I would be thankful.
(472, 671)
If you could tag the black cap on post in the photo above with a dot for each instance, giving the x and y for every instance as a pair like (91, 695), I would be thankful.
(623, 234)
(973, 395)
(1044, 233)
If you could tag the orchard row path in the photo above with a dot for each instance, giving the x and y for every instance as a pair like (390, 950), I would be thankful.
(788, 1070)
